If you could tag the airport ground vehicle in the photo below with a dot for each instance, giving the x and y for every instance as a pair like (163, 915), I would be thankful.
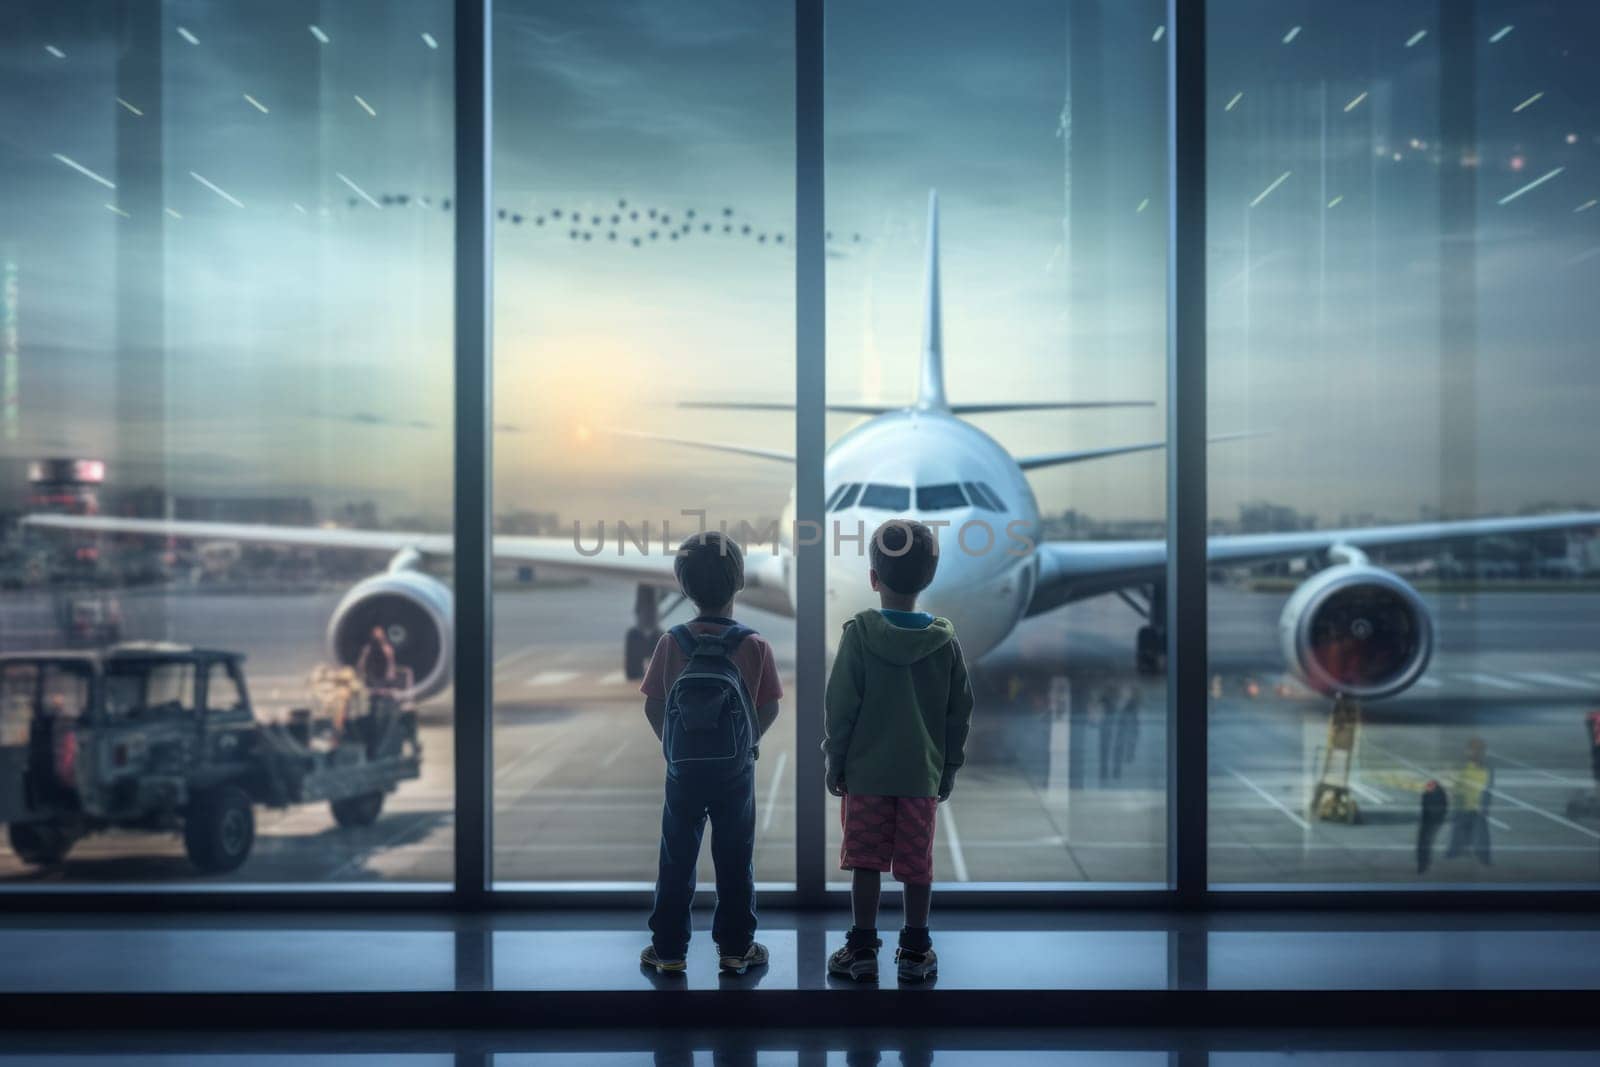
(163, 737)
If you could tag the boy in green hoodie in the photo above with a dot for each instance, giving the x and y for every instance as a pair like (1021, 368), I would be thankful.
(898, 708)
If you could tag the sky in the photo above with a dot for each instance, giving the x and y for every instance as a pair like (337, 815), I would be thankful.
(305, 348)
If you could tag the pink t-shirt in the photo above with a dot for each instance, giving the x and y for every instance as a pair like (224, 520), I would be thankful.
(753, 657)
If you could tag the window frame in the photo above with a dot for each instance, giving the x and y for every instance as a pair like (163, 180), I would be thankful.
(1187, 799)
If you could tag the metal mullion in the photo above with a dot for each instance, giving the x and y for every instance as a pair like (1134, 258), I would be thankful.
(1186, 451)
(810, 429)
(474, 335)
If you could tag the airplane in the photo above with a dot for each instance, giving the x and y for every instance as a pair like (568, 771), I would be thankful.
(1352, 627)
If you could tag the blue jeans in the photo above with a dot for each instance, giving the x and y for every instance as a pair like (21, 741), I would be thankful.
(730, 801)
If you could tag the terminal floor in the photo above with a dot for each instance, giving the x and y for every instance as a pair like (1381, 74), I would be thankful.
(579, 969)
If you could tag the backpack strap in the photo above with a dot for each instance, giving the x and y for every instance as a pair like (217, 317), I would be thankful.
(733, 635)
(685, 639)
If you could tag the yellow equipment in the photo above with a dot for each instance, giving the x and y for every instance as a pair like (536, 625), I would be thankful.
(1331, 799)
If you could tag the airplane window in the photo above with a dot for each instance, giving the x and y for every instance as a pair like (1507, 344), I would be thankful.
(833, 498)
(849, 496)
(994, 498)
(980, 497)
(886, 497)
(940, 497)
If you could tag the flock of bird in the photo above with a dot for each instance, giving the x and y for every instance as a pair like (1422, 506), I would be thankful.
(622, 223)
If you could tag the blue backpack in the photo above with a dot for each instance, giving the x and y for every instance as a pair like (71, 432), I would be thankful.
(710, 721)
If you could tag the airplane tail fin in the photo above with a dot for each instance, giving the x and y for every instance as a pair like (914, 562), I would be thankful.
(930, 393)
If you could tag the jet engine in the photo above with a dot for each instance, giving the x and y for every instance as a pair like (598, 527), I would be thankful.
(416, 611)
(1356, 629)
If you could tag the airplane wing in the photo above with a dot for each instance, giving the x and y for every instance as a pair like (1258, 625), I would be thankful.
(1056, 459)
(1075, 570)
(712, 446)
(766, 584)
(867, 408)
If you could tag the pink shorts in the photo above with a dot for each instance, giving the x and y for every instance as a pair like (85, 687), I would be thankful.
(889, 834)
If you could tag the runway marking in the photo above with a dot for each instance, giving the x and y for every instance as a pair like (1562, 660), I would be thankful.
(1430, 682)
(616, 752)
(958, 859)
(1496, 792)
(552, 677)
(511, 657)
(1494, 681)
(613, 678)
(772, 791)
(1572, 783)
(1270, 799)
(1367, 791)
(1559, 680)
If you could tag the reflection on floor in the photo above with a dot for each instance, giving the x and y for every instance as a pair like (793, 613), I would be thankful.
(860, 1048)
(241, 953)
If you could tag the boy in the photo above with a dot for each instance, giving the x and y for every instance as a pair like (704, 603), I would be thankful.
(898, 708)
(710, 570)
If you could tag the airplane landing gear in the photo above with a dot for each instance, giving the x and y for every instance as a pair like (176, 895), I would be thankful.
(640, 643)
(1150, 652)
(1150, 648)
(645, 633)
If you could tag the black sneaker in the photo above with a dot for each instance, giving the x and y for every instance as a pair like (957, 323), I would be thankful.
(754, 956)
(857, 962)
(915, 966)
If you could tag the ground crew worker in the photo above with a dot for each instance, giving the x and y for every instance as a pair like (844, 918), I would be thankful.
(1593, 719)
(1435, 806)
(376, 664)
(1473, 788)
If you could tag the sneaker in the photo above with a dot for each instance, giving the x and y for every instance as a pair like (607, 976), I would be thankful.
(916, 966)
(649, 958)
(858, 963)
(754, 956)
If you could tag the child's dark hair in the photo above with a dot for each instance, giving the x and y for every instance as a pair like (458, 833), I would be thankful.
(905, 555)
(710, 568)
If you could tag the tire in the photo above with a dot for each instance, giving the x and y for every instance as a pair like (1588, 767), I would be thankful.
(360, 810)
(41, 844)
(220, 830)
(637, 650)
(1150, 651)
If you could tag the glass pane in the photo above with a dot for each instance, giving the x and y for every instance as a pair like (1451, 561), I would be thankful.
(644, 170)
(1040, 128)
(225, 321)
(941, 497)
(1402, 267)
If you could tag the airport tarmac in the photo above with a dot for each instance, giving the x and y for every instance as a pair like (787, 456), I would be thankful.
(578, 773)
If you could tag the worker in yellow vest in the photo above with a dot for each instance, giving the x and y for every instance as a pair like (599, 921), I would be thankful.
(1471, 790)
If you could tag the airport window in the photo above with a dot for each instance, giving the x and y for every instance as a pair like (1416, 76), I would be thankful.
(1061, 251)
(644, 242)
(886, 497)
(225, 290)
(940, 497)
(1400, 259)
(248, 386)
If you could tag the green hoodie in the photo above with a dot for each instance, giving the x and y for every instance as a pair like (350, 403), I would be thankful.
(898, 708)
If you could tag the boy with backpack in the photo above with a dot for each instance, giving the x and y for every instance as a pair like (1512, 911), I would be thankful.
(711, 691)
(898, 708)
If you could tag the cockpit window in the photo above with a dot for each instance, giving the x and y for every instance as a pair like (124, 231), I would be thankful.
(833, 498)
(848, 497)
(886, 497)
(940, 497)
(983, 496)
